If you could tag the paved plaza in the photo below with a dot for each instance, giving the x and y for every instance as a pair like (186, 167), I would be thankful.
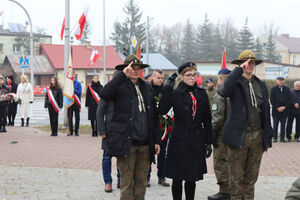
(34, 165)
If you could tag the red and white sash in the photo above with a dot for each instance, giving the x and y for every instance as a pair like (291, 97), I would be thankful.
(95, 94)
(53, 101)
(77, 100)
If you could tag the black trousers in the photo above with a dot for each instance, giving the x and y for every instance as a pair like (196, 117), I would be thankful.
(282, 127)
(3, 115)
(289, 125)
(12, 111)
(74, 108)
(53, 115)
(189, 189)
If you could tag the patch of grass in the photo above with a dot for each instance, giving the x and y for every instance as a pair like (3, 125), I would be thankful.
(83, 129)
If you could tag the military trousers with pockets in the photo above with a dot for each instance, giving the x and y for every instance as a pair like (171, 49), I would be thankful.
(221, 167)
(244, 164)
(133, 172)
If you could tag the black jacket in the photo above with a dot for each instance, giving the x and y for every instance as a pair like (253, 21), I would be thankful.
(120, 91)
(294, 98)
(90, 102)
(237, 119)
(279, 99)
(58, 95)
(13, 88)
(189, 137)
(4, 89)
(104, 114)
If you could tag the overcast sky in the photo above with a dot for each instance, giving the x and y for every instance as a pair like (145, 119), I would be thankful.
(49, 14)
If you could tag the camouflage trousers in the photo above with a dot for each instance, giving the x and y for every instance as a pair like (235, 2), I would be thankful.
(221, 165)
(133, 173)
(244, 166)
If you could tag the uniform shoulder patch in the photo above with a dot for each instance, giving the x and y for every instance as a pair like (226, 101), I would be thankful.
(214, 107)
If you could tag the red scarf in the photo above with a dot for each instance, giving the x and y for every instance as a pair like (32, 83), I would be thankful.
(194, 106)
(9, 85)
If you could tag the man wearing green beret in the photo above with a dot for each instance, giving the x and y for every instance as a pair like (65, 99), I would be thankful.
(247, 131)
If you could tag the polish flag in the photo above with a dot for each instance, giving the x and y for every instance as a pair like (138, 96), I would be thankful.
(62, 30)
(94, 56)
(81, 24)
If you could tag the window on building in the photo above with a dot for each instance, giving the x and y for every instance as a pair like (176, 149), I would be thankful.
(294, 59)
(17, 48)
(1, 48)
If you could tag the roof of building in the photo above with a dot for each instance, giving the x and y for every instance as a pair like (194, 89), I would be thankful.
(40, 63)
(81, 56)
(293, 43)
(158, 61)
(9, 33)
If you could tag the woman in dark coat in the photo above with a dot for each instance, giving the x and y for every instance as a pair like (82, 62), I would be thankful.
(54, 102)
(12, 106)
(92, 101)
(191, 136)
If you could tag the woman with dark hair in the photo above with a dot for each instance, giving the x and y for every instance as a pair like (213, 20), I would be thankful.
(191, 136)
(12, 105)
(54, 102)
(92, 101)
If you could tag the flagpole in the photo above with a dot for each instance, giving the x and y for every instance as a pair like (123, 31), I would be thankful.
(104, 45)
(66, 49)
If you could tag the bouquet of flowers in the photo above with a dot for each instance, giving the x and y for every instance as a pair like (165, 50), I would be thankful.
(165, 121)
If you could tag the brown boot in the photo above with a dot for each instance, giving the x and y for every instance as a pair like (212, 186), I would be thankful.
(108, 188)
(163, 182)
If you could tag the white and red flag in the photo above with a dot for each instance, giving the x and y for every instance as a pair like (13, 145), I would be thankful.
(62, 30)
(94, 56)
(81, 23)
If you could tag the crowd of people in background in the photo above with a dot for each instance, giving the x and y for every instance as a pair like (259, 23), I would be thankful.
(179, 121)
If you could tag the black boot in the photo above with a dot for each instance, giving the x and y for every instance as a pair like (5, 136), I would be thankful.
(22, 121)
(177, 190)
(4, 129)
(1, 130)
(219, 196)
(27, 122)
(189, 189)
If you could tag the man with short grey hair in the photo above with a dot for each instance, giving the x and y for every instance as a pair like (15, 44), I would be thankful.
(294, 112)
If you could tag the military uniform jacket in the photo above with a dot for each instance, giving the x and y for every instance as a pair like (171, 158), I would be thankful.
(220, 107)
(185, 158)
(237, 120)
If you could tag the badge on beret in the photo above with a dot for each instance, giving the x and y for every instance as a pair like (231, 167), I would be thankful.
(214, 107)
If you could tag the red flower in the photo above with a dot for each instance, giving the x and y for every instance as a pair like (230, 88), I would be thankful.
(169, 128)
(173, 119)
(160, 125)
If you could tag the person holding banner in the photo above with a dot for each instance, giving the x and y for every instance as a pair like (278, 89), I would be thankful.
(54, 102)
(92, 101)
(12, 105)
(76, 107)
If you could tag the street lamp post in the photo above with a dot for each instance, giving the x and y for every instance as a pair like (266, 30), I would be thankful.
(31, 42)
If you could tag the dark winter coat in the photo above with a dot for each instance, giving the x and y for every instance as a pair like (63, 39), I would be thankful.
(237, 119)
(120, 91)
(13, 87)
(295, 98)
(4, 89)
(189, 137)
(90, 102)
(58, 96)
(104, 114)
(279, 99)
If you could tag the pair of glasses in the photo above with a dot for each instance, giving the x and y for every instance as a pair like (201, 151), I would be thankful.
(191, 75)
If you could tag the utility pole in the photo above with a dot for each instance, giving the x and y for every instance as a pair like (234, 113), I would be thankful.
(147, 45)
(66, 48)
(104, 45)
(31, 43)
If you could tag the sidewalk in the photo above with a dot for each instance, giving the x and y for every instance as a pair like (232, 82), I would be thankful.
(42, 167)
(20, 183)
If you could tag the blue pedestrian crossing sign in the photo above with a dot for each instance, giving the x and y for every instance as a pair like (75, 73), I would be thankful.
(24, 62)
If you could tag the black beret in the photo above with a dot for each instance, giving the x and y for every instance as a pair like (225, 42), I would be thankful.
(185, 65)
